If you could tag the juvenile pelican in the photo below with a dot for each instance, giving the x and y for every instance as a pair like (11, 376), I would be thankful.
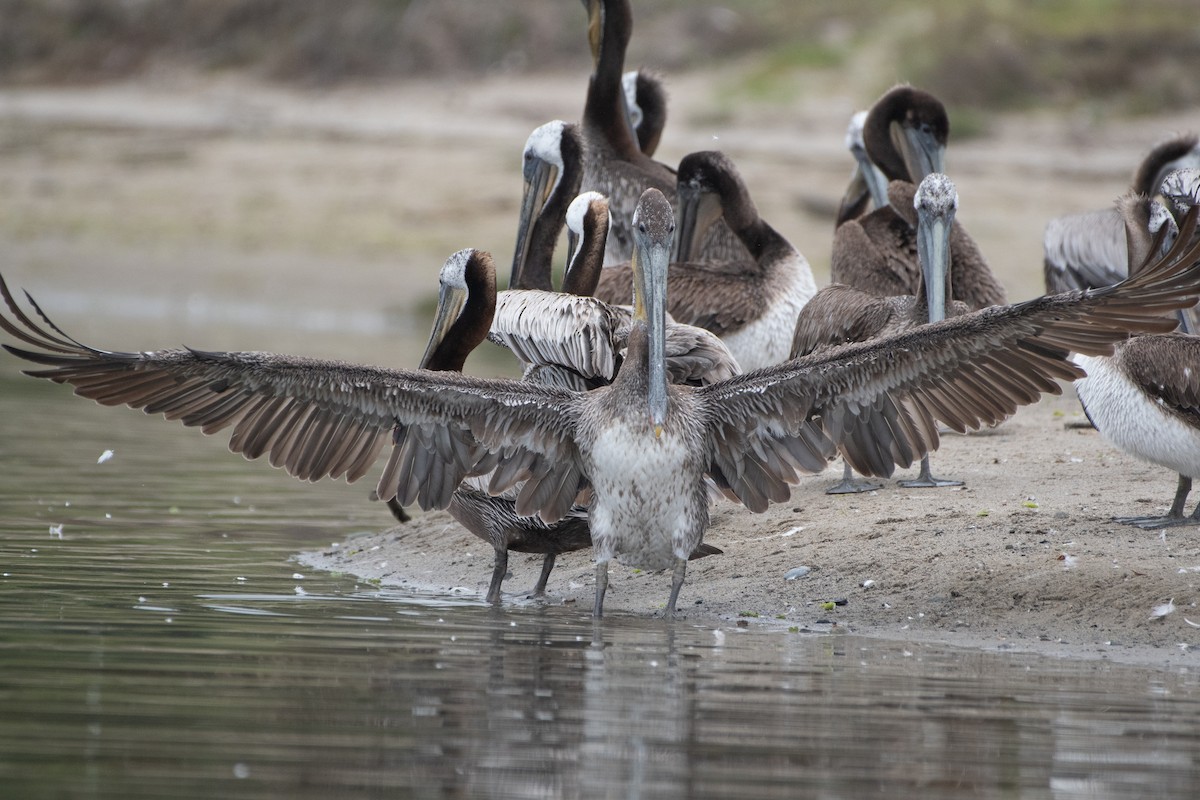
(466, 303)
(905, 135)
(751, 303)
(1145, 397)
(839, 313)
(641, 446)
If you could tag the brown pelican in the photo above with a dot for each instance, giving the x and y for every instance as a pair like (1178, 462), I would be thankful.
(614, 164)
(552, 169)
(1145, 397)
(868, 186)
(576, 341)
(752, 303)
(466, 303)
(905, 135)
(1086, 250)
(839, 313)
(640, 448)
(646, 104)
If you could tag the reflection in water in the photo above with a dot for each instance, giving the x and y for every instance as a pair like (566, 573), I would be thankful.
(162, 645)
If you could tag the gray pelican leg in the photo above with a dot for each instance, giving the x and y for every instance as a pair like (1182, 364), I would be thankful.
(601, 588)
(498, 572)
(1173, 517)
(539, 588)
(676, 584)
(926, 480)
(850, 484)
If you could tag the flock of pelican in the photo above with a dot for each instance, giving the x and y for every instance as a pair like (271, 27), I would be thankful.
(688, 353)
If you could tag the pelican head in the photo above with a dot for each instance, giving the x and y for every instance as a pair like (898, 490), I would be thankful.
(544, 164)
(653, 230)
(906, 132)
(466, 303)
(936, 202)
(704, 182)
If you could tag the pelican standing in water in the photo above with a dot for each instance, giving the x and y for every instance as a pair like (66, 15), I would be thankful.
(641, 449)
(1145, 397)
(839, 313)
(751, 303)
(905, 135)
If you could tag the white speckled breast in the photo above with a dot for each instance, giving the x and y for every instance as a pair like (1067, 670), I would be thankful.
(650, 506)
(1134, 421)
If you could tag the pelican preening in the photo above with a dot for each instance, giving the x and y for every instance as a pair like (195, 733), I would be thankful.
(640, 450)
(646, 104)
(1145, 397)
(868, 185)
(905, 135)
(750, 303)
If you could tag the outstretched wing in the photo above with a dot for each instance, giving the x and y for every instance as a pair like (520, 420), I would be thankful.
(879, 401)
(318, 418)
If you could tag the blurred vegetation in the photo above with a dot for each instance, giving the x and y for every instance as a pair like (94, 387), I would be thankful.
(1132, 55)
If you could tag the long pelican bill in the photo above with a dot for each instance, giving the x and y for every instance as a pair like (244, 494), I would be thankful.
(451, 299)
(922, 153)
(652, 257)
(698, 210)
(540, 179)
(936, 201)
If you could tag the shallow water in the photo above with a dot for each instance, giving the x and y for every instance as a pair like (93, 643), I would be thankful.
(160, 643)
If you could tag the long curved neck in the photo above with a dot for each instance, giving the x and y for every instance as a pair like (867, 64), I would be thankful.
(604, 109)
(542, 241)
(469, 329)
(583, 273)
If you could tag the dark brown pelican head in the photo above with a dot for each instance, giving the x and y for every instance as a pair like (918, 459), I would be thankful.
(710, 187)
(646, 104)
(552, 171)
(466, 303)
(610, 26)
(905, 134)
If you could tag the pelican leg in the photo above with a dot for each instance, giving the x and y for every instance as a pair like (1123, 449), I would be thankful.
(676, 584)
(850, 484)
(499, 570)
(398, 511)
(601, 588)
(539, 588)
(926, 480)
(1173, 517)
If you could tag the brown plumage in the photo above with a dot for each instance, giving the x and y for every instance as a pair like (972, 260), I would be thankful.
(635, 443)
(614, 163)
(905, 135)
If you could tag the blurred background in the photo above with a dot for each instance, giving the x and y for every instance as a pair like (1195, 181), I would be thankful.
(291, 174)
